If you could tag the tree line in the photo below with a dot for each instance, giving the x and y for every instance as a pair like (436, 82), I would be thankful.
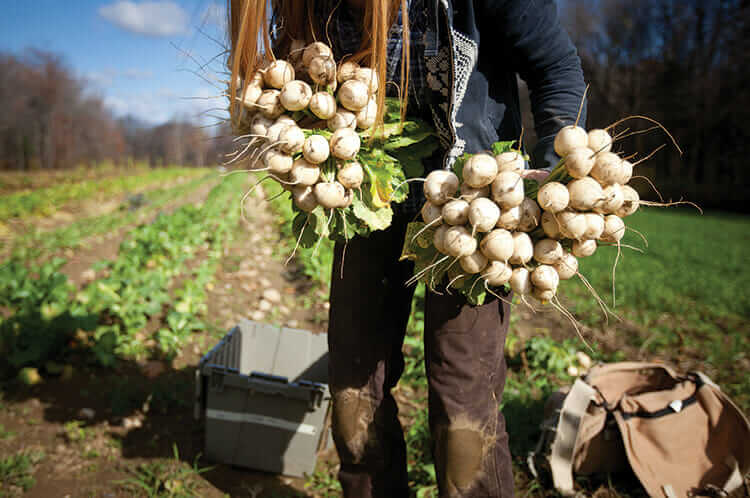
(51, 120)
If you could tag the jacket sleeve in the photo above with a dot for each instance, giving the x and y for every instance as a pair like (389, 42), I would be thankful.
(544, 56)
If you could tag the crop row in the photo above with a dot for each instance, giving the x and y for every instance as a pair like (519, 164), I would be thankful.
(47, 200)
(161, 271)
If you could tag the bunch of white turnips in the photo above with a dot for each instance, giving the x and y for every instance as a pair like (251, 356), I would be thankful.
(318, 167)
(488, 225)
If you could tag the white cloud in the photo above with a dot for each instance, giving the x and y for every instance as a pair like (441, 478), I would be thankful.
(147, 18)
(162, 104)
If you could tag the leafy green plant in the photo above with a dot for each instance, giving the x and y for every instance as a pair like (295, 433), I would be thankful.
(16, 471)
(165, 479)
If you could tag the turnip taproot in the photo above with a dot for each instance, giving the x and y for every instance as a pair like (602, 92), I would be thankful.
(509, 219)
(520, 281)
(295, 95)
(277, 162)
(260, 124)
(614, 229)
(438, 238)
(545, 277)
(569, 138)
(630, 202)
(473, 263)
(368, 77)
(278, 74)
(346, 71)
(251, 96)
(479, 170)
(497, 273)
(497, 245)
(530, 215)
(612, 199)
(269, 103)
(455, 212)
(316, 149)
(322, 70)
(304, 173)
(507, 189)
(323, 105)
(440, 186)
(316, 49)
(594, 226)
(353, 95)
(553, 197)
(567, 266)
(607, 168)
(304, 198)
(579, 162)
(599, 140)
(351, 175)
(342, 119)
(523, 249)
(583, 248)
(548, 251)
(510, 161)
(367, 115)
(292, 139)
(550, 226)
(572, 224)
(345, 144)
(458, 242)
(585, 193)
(329, 194)
(432, 214)
(483, 214)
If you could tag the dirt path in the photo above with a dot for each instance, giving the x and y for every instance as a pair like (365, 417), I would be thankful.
(98, 426)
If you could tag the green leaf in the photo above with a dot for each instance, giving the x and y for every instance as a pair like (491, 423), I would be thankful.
(375, 219)
(500, 147)
(305, 221)
(475, 291)
(458, 166)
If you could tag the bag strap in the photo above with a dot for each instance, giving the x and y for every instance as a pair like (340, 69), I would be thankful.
(561, 459)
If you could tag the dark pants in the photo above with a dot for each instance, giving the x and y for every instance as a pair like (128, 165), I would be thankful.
(465, 366)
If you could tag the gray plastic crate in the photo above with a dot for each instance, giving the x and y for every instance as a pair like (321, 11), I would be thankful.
(263, 393)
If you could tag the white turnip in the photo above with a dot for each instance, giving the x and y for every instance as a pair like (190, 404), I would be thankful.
(497, 273)
(269, 103)
(292, 139)
(510, 161)
(483, 214)
(594, 225)
(626, 172)
(545, 277)
(432, 214)
(468, 193)
(614, 229)
(569, 138)
(585, 193)
(278, 74)
(507, 189)
(548, 251)
(497, 245)
(353, 95)
(342, 119)
(530, 215)
(567, 266)
(277, 162)
(523, 249)
(455, 212)
(599, 140)
(583, 248)
(304, 198)
(351, 175)
(367, 115)
(473, 263)
(316, 149)
(550, 226)
(509, 219)
(346, 71)
(520, 281)
(368, 77)
(579, 162)
(438, 238)
(322, 70)
(260, 124)
(323, 105)
(440, 186)
(612, 199)
(630, 202)
(543, 295)
(607, 168)
(329, 194)
(304, 173)
(458, 242)
(295, 95)
(251, 96)
(479, 170)
(345, 144)
(572, 224)
(316, 49)
(553, 197)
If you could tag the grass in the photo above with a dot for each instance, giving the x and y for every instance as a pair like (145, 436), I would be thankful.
(16, 471)
(165, 479)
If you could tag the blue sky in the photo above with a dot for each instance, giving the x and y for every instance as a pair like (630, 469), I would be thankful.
(131, 52)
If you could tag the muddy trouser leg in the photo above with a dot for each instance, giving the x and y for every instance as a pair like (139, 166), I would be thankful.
(466, 373)
(369, 311)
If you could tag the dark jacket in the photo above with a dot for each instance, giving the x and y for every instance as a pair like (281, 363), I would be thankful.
(490, 42)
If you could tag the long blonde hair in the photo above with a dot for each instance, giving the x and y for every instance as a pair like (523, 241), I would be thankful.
(251, 44)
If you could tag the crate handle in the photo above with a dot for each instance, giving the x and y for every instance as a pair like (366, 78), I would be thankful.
(269, 377)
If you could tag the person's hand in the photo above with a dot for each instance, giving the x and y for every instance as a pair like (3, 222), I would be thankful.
(535, 174)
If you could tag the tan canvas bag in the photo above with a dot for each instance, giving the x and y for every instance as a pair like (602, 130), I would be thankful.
(680, 434)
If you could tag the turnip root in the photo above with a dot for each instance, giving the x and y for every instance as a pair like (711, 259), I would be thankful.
(630, 202)
(456, 212)
(594, 226)
(285, 119)
(550, 226)
(479, 170)
(458, 242)
(585, 193)
(520, 281)
(304, 173)
(342, 119)
(509, 219)
(579, 162)
(277, 162)
(468, 193)
(329, 194)
(316, 49)
(553, 197)
(353, 95)
(315, 149)
(510, 161)
(292, 139)
(346, 71)
(583, 248)
(440, 186)
(548, 251)
(599, 141)
(251, 96)
(438, 238)
(473, 263)
(274, 131)
(323, 105)
(612, 199)
(345, 144)
(483, 214)
(614, 229)
(497, 273)
(607, 168)
(567, 266)
(572, 224)
(523, 249)
(366, 116)
(545, 277)
(260, 124)
(368, 77)
(456, 277)
(530, 215)
(255, 79)
(543, 295)
(626, 172)
(507, 189)
(497, 245)
(295, 95)
(270, 104)
(278, 74)
(569, 138)
(348, 199)
(432, 214)
(304, 198)
(351, 175)
(322, 70)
